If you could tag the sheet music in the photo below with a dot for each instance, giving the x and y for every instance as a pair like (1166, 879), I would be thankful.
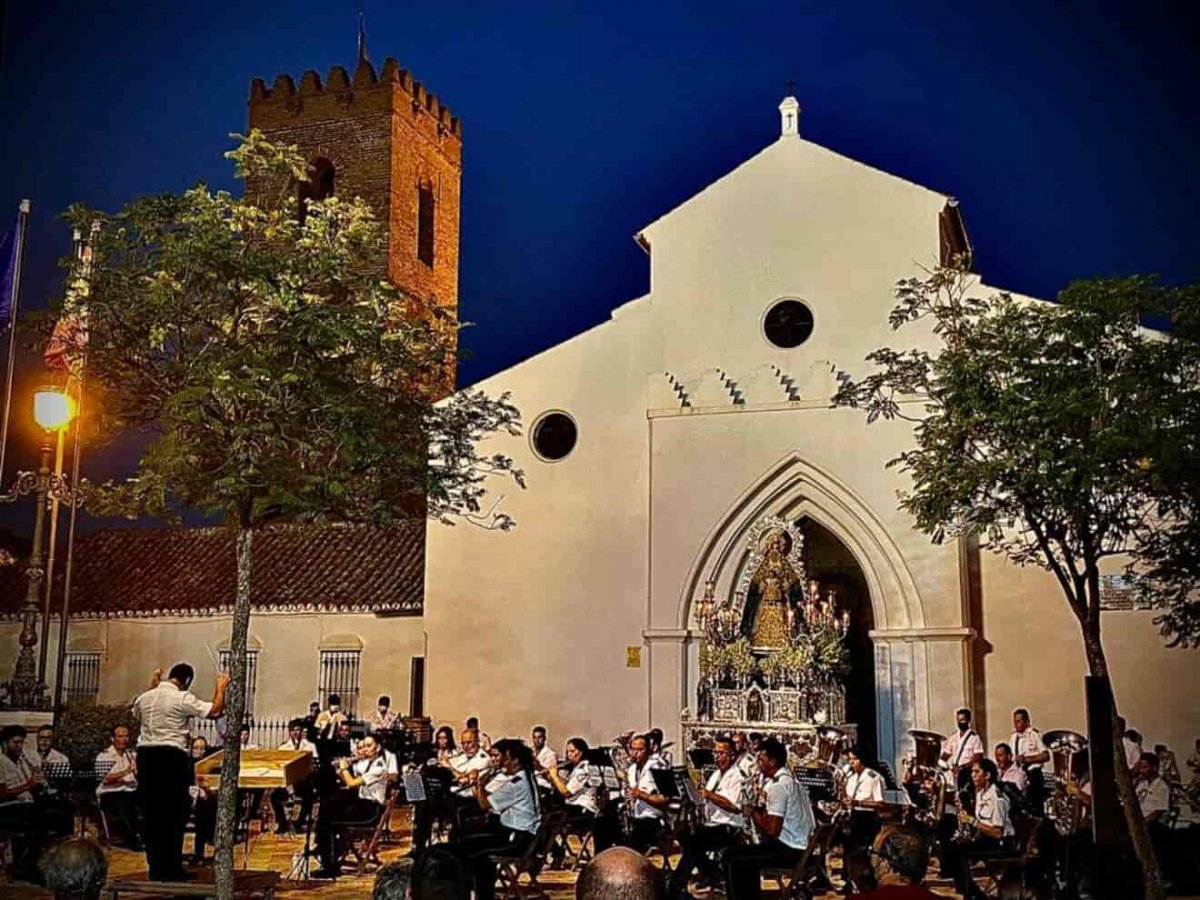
(414, 787)
(689, 788)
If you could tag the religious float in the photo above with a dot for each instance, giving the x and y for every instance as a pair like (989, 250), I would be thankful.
(773, 654)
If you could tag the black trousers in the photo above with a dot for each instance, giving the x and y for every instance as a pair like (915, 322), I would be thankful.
(643, 833)
(744, 866)
(342, 808)
(697, 846)
(279, 797)
(121, 811)
(958, 858)
(447, 807)
(477, 851)
(164, 776)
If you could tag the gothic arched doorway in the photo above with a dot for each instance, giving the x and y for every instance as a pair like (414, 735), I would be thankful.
(830, 561)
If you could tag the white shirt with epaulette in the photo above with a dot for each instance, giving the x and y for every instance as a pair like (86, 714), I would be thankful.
(865, 785)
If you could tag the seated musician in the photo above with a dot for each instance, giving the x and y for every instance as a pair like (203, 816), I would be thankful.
(117, 791)
(382, 719)
(647, 813)
(863, 796)
(1010, 772)
(1029, 755)
(443, 745)
(723, 824)
(204, 802)
(784, 823)
(657, 751)
(504, 788)
(303, 791)
(580, 792)
(20, 784)
(244, 738)
(544, 757)
(310, 722)
(1072, 840)
(470, 758)
(991, 822)
(963, 748)
(485, 740)
(327, 719)
(54, 766)
(1154, 797)
(360, 803)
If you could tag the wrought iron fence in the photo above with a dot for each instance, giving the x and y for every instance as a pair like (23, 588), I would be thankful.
(266, 733)
(81, 678)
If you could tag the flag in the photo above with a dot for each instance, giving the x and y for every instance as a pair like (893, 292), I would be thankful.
(67, 345)
(10, 253)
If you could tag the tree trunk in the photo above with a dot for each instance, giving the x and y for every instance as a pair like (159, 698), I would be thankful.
(235, 707)
(1140, 835)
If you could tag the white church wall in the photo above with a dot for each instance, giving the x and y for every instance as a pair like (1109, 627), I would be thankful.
(1037, 661)
(533, 625)
(288, 660)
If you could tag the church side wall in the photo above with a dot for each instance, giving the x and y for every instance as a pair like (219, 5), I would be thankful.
(532, 625)
(288, 660)
(1037, 661)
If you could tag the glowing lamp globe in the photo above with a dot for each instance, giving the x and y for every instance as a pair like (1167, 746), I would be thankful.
(53, 410)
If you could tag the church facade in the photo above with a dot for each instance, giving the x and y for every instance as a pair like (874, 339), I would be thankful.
(659, 440)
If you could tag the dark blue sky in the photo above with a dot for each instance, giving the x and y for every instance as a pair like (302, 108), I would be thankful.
(1069, 131)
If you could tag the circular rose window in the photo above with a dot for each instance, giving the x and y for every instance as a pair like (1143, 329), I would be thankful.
(788, 324)
(554, 436)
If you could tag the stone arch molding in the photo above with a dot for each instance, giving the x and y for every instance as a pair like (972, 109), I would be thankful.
(792, 488)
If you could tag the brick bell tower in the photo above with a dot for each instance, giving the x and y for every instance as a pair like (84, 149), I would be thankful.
(388, 140)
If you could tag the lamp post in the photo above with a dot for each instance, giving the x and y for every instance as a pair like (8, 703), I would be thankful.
(53, 411)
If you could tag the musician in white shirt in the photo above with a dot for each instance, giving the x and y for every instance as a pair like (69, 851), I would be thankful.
(42, 753)
(505, 788)
(19, 781)
(383, 719)
(117, 790)
(863, 794)
(1008, 772)
(363, 802)
(784, 823)
(993, 825)
(964, 748)
(723, 821)
(296, 743)
(648, 807)
(469, 758)
(544, 757)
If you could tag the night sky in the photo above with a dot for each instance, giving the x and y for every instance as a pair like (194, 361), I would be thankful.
(1068, 131)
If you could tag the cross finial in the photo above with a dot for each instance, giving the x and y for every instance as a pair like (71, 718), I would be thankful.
(789, 87)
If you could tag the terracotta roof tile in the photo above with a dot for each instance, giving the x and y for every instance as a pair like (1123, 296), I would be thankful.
(192, 571)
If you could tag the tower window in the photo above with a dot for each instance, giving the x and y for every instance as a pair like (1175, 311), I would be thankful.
(318, 187)
(425, 217)
(788, 324)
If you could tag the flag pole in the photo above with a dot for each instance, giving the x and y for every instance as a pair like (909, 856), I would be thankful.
(22, 220)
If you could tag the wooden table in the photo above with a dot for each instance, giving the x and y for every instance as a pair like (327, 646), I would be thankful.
(262, 769)
(246, 883)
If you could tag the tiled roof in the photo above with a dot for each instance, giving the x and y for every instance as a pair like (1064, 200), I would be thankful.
(192, 571)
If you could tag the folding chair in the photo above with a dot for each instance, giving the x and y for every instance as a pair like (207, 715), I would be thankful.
(510, 868)
(363, 840)
(793, 882)
(582, 831)
(1020, 860)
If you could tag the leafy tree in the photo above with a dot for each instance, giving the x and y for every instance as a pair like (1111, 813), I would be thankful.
(1062, 435)
(272, 370)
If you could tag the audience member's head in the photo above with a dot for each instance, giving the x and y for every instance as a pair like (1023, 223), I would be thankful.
(75, 869)
(903, 858)
(620, 874)
(438, 874)
(393, 881)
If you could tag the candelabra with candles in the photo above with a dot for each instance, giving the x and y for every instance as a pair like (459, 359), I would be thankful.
(53, 411)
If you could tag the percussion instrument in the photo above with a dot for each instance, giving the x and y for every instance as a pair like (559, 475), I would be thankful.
(259, 769)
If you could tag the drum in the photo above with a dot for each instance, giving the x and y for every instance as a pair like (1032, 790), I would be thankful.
(927, 748)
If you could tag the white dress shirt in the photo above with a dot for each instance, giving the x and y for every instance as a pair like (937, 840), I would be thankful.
(991, 808)
(512, 796)
(382, 722)
(643, 780)
(1015, 775)
(727, 784)
(581, 791)
(1027, 742)
(547, 759)
(303, 746)
(464, 765)
(788, 799)
(1153, 796)
(374, 775)
(112, 760)
(865, 785)
(13, 775)
(1133, 752)
(962, 745)
(164, 712)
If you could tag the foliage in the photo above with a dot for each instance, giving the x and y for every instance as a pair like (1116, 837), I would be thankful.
(740, 660)
(1061, 434)
(270, 364)
(83, 731)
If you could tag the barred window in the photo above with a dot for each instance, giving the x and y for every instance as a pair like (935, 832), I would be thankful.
(251, 676)
(425, 217)
(339, 675)
(81, 678)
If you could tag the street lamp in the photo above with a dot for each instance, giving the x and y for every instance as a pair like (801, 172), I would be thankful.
(53, 411)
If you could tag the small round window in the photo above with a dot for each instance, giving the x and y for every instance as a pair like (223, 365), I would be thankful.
(788, 324)
(554, 436)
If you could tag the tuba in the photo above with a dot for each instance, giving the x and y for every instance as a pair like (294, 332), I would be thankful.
(924, 769)
(1068, 750)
